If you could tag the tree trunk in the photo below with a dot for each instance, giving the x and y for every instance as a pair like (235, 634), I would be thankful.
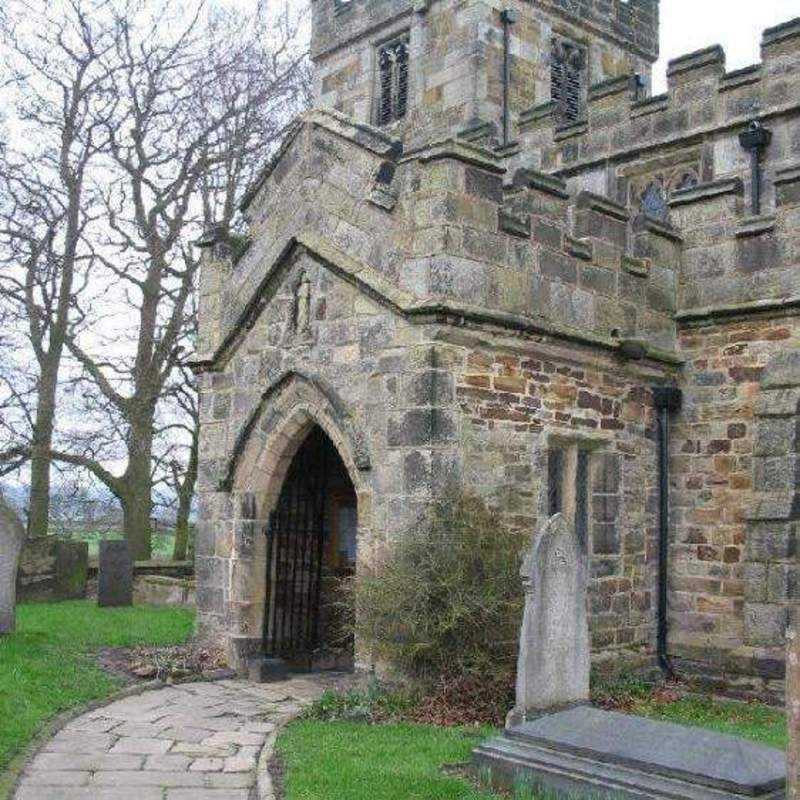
(12, 535)
(39, 502)
(137, 506)
(181, 548)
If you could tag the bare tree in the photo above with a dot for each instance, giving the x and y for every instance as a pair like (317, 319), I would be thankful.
(58, 81)
(180, 462)
(195, 111)
(143, 127)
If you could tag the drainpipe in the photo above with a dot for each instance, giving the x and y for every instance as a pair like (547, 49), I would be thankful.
(755, 140)
(508, 17)
(667, 400)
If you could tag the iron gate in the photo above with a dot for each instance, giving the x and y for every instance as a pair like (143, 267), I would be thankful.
(295, 553)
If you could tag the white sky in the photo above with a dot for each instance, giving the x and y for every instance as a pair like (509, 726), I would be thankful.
(688, 25)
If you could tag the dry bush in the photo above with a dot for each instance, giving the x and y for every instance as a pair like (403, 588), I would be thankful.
(444, 602)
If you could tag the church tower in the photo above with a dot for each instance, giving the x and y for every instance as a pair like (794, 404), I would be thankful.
(426, 69)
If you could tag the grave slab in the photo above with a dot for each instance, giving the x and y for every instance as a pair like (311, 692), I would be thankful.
(115, 579)
(588, 752)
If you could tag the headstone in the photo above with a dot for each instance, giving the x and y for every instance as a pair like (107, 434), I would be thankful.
(554, 654)
(115, 574)
(37, 564)
(71, 570)
(793, 707)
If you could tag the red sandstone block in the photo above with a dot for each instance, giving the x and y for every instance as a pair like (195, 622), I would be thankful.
(731, 555)
(707, 553)
(510, 384)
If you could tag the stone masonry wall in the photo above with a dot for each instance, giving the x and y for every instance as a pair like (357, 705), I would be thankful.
(456, 55)
(720, 561)
(449, 310)
(518, 400)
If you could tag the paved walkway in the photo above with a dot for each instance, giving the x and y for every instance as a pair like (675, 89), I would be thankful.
(195, 741)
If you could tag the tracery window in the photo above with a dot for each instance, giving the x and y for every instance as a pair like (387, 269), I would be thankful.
(393, 80)
(568, 73)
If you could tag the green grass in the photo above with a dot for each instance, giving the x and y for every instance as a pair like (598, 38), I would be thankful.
(362, 762)
(46, 666)
(324, 759)
(760, 723)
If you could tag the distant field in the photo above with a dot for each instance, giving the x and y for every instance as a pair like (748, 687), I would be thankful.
(163, 542)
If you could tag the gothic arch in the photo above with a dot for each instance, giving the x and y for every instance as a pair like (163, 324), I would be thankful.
(289, 409)
(293, 397)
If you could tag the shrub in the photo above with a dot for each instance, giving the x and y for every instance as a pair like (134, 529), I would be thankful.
(445, 600)
(375, 702)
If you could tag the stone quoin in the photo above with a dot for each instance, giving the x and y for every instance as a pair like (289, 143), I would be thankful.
(473, 262)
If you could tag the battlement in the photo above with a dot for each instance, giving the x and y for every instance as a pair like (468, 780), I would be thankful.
(702, 97)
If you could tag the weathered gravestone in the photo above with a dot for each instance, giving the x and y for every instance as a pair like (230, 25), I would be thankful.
(72, 570)
(115, 574)
(554, 655)
(52, 568)
(793, 707)
(554, 739)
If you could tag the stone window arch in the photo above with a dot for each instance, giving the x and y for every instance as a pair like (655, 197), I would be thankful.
(393, 58)
(568, 80)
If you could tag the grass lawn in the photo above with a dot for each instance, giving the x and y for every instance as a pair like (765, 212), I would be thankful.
(763, 724)
(46, 666)
(363, 762)
(403, 762)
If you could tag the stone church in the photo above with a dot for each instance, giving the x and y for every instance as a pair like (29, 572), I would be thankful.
(491, 257)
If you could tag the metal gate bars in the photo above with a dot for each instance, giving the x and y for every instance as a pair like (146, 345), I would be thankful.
(295, 552)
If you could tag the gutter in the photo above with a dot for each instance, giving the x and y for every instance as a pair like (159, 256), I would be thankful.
(667, 400)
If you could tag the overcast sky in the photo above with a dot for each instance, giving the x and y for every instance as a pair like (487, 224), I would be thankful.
(688, 25)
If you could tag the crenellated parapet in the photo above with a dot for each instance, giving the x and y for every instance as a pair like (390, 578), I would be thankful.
(702, 99)
(443, 229)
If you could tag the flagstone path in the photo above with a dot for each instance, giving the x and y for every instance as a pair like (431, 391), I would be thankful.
(194, 741)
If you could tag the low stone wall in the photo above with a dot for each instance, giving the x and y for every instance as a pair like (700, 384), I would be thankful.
(52, 568)
(172, 569)
(159, 590)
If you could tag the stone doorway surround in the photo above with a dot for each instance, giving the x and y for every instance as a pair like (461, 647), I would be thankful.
(312, 541)
(290, 409)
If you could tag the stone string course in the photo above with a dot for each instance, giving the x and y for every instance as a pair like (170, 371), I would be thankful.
(194, 741)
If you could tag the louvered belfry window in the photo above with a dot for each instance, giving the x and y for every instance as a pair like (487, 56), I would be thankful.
(568, 67)
(393, 65)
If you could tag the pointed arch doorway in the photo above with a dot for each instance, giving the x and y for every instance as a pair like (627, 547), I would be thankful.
(311, 551)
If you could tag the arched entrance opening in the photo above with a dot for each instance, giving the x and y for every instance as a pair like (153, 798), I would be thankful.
(311, 552)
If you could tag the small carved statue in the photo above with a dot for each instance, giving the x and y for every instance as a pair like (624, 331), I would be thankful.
(302, 312)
